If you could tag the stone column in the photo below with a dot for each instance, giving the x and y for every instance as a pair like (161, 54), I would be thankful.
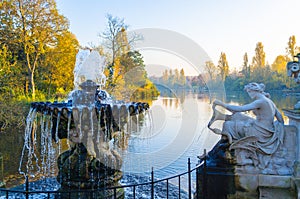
(294, 119)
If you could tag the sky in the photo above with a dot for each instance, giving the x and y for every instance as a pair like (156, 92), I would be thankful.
(232, 26)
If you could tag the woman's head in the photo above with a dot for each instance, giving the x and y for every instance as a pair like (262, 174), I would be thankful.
(256, 87)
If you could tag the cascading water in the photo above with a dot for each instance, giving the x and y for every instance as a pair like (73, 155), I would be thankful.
(94, 126)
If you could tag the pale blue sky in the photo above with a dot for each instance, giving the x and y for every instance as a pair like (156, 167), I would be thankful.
(231, 26)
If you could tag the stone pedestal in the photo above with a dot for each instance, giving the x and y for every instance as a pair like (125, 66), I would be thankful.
(248, 181)
(294, 119)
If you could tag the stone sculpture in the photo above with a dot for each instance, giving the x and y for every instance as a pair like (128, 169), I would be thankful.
(293, 70)
(254, 139)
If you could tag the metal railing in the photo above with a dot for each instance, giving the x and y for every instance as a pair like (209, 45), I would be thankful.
(93, 193)
(2, 184)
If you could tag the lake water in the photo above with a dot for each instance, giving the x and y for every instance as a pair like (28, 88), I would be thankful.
(174, 130)
(179, 131)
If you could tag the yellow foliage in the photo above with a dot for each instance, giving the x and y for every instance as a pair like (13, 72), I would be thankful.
(279, 64)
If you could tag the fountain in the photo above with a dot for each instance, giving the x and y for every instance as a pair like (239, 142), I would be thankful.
(92, 125)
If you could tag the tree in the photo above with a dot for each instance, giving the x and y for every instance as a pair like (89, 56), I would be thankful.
(292, 49)
(279, 65)
(116, 41)
(211, 69)
(36, 25)
(223, 66)
(8, 34)
(259, 60)
(9, 73)
(113, 35)
(134, 69)
(246, 66)
(176, 78)
(165, 76)
(59, 64)
(182, 77)
(171, 78)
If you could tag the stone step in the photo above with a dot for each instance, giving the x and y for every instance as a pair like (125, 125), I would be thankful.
(275, 193)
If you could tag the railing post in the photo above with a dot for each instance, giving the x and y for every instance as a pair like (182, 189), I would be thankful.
(167, 189)
(179, 187)
(189, 178)
(152, 184)
(26, 186)
(204, 186)
(2, 166)
(197, 180)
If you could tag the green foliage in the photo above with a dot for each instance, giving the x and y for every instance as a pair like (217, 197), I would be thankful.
(12, 113)
(273, 80)
(223, 66)
(274, 76)
(8, 72)
(173, 79)
(129, 78)
(28, 28)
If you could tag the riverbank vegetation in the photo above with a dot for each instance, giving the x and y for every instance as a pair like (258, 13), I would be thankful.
(218, 76)
(38, 53)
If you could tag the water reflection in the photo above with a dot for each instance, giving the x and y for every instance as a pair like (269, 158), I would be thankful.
(282, 100)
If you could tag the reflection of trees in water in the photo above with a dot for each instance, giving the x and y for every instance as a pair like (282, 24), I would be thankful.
(282, 100)
(12, 121)
(170, 102)
(11, 143)
(170, 96)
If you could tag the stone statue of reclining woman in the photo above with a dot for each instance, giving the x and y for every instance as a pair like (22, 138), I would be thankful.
(258, 137)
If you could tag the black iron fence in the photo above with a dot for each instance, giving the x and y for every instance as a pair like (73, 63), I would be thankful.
(201, 185)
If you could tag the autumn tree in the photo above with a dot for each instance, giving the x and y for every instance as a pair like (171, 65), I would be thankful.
(246, 67)
(165, 76)
(36, 25)
(176, 76)
(59, 64)
(117, 87)
(279, 65)
(259, 60)
(211, 70)
(292, 49)
(171, 78)
(182, 78)
(223, 66)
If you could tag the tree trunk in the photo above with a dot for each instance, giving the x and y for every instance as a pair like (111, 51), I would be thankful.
(32, 83)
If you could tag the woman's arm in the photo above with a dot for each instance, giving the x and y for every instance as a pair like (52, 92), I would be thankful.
(234, 108)
(279, 116)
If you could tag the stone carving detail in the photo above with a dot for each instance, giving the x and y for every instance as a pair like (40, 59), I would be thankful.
(258, 142)
(293, 69)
